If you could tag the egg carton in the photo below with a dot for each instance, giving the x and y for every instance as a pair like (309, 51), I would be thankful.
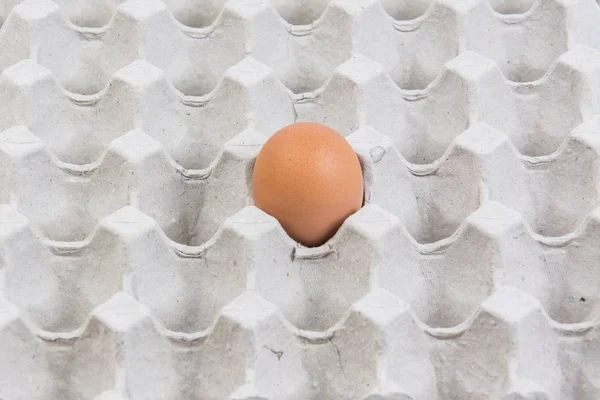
(303, 41)
(290, 322)
(554, 193)
(88, 138)
(133, 264)
(85, 310)
(537, 116)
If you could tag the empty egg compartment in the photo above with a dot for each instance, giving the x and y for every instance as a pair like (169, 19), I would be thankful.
(551, 202)
(78, 129)
(538, 117)
(432, 217)
(189, 205)
(192, 13)
(16, 142)
(555, 193)
(302, 41)
(524, 37)
(193, 128)
(193, 58)
(252, 300)
(444, 279)
(134, 266)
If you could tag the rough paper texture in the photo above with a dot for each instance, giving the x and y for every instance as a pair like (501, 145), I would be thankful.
(133, 264)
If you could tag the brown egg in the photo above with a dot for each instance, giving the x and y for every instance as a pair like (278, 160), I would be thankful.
(309, 178)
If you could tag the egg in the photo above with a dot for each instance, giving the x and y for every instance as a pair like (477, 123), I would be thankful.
(309, 178)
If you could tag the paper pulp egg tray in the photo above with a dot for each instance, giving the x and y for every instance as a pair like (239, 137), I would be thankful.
(133, 264)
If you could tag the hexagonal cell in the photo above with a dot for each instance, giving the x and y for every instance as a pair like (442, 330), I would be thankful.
(87, 359)
(249, 353)
(194, 130)
(433, 118)
(338, 103)
(57, 284)
(227, 190)
(518, 35)
(570, 293)
(75, 129)
(509, 341)
(249, 96)
(55, 195)
(87, 76)
(83, 69)
(539, 116)
(397, 36)
(304, 56)
(464, 268)
(422, 125)
(87, 65)
(430, 206)
(189, 205)
(395, 264)
(552, 270)
(313, 287)
(155, 185)
(191, 57)
(251, 334)
(539, 188)
(168, 48)
(183, 286)
(572, 172)
(442, 209)
(343, 370)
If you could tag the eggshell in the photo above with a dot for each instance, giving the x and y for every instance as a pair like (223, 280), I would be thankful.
(309, 178)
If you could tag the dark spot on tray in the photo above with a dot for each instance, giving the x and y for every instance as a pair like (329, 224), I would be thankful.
(279, 354)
